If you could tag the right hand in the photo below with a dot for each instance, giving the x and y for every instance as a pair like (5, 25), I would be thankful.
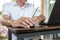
(19, 24)
(26, 21)
(15, 24)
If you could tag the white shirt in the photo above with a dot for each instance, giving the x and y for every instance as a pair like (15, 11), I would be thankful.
(15, 12)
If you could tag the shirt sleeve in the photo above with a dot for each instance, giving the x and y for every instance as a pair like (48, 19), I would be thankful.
(6, 9)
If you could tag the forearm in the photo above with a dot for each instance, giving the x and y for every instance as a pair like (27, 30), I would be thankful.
(6, 19)
(6, 22)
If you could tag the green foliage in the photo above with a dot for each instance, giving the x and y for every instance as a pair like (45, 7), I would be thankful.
(0, 13)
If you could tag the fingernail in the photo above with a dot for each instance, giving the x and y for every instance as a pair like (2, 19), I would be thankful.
(31, 25)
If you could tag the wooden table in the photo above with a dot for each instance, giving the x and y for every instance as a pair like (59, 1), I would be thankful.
(21, 33)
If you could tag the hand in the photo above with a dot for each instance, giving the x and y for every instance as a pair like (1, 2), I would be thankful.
(35, 20)
(18, 24)
(14, 23)
(29, 21)
(26, 21)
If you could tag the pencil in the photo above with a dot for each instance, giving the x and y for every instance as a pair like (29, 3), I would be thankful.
(35, 12)
(33, 16)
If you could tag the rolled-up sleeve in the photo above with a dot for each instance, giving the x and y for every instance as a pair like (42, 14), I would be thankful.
(6, 10)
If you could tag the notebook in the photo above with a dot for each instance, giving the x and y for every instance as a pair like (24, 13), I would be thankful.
(54, 18)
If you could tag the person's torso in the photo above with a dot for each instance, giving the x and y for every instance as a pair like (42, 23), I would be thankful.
(16, 12)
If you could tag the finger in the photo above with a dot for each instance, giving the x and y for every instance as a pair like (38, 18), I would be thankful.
(29, 19)
(24, 23)
(21, 25)
(28, 22)
(35, 20)
(32, 21)
(26, 19)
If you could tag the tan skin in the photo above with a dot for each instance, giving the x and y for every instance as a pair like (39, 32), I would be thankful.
(25, 22)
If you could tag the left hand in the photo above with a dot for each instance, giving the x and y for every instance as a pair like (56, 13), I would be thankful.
(36, 20)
